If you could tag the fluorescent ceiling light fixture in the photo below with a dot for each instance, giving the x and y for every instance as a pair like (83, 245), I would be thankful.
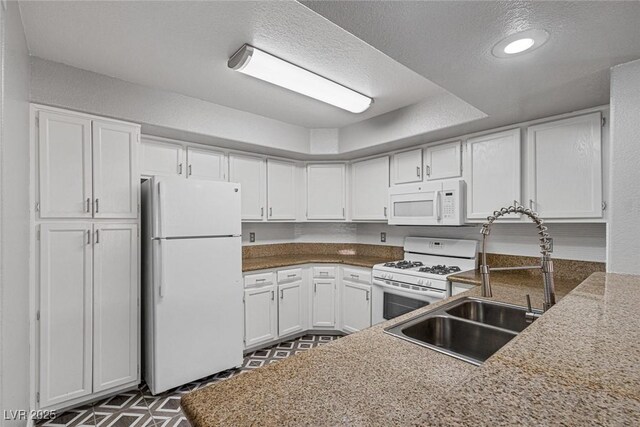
(264, 66)
(520, 43)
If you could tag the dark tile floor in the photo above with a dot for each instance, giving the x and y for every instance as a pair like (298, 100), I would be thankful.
(138, 408)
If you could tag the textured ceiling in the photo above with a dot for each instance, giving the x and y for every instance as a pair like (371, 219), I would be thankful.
(450, 44)
(183, 47)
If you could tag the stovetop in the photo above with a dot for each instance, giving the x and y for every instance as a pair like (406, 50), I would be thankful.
(417, 268)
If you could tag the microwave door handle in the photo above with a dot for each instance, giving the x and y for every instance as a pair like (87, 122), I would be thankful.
(437, 207)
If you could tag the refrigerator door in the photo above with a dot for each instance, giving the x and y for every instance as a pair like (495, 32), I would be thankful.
(184, 208)
(198, 320)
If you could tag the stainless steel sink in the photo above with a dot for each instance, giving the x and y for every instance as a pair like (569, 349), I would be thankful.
(492, 313)
(469, 329)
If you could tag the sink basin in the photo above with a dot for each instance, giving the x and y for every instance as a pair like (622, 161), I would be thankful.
(491, 313)
(470, 341)
(470, 329)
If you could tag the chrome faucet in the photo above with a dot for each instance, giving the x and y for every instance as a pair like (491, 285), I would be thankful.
(546, 265)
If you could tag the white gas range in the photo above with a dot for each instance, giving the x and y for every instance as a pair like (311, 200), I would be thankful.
(421, 278)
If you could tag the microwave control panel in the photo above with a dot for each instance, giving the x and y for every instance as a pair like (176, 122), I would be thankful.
(449, 204)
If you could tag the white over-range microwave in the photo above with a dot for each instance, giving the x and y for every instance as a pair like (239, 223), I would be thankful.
(429, 203)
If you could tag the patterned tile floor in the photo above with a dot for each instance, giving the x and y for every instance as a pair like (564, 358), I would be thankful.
(139, 408)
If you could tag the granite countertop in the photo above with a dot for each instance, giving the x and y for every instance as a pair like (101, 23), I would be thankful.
(261, 263)
(576, 365)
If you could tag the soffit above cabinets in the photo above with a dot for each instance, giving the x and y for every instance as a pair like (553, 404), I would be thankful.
(183, 47)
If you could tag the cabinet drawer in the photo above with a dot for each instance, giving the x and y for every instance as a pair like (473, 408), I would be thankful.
(260, 279)
(289, 275)
(324, 272)
(356, 275)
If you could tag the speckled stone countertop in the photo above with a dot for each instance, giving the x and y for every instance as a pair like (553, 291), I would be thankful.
(260, 257)
(576, 365)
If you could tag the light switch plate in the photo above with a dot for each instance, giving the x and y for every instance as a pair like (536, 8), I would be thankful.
(252, 237)
(383, 237)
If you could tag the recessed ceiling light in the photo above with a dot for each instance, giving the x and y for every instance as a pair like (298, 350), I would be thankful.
(264, 66)
(519, 43)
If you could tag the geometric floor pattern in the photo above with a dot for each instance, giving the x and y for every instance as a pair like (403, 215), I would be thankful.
(139, 408)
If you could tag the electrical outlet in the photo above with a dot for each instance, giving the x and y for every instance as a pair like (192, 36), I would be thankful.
(252, 237)
(383, 237)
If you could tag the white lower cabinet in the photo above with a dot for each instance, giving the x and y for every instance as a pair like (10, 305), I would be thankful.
(324, 311)
(260, 315)
(290, 308)
(356, 309)
(88, 312)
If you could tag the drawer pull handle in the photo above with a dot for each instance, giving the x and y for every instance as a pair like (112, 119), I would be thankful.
(260, 280)
(291, 275)
(355, 276)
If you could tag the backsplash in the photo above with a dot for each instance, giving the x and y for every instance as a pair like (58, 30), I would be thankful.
(280, 249)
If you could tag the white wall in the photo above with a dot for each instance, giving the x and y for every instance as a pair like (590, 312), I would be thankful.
(60, 85)
(571, 241)
(14, 216)
(623, 248)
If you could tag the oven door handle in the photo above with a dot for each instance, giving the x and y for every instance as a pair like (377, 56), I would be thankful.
(434, 293)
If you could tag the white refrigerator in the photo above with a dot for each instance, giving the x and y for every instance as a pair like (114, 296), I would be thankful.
(192, 283)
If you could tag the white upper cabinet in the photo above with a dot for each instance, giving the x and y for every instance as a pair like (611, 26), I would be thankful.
(326, 191)
(161, 158)
(65, 326)
(565, 167)
(281, 190)
(370, 189)
(65, 182)
(443, 161)
(84, 174)
(115, 177)
(115, 305)
(206, 164)
(407, 166)
(492, 173)
(250, 173)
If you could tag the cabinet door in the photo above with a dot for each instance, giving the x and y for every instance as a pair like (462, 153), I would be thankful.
(161, 158)
(65, 370)
(565, 167)
(65, 166)
(407, 166)
(324, 313)
(115, 175)
(250, 172)
(281, 190)
(206, 164)
(370, 189)
(326, 189)
(492, 173)
(290, 313)
(260, 315)
(356, 306)
(115, 305)
(443, 161)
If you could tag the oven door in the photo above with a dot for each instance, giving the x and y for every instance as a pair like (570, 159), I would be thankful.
(389, 300)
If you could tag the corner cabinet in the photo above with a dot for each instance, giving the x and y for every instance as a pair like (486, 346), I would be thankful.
(370, 189)
(565, 167)
(326, 191)
(86, 168)
(88, 310)
(492, 173)
(250, 172)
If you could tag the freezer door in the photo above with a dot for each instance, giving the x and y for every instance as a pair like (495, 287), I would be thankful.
(198, 309)
(195, 208)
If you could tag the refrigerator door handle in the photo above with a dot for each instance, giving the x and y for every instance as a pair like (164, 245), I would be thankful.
(160, 210)
(161, 285)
